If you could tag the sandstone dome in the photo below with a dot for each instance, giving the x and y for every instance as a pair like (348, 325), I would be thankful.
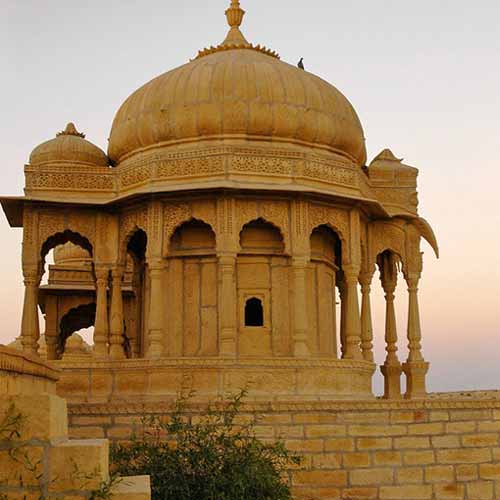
(69, 253)
(69, 146)
(237, 91)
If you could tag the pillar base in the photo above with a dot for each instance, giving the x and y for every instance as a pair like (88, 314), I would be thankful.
(392, 380)
(300, 350)
(228, 348)
(415, 372)
(116, 352)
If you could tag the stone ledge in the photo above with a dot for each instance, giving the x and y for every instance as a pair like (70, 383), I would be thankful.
(22, 363)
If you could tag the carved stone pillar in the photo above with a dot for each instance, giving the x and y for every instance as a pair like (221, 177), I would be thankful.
(137, 312)
(300, 347)
(51, 327)
(101, 326)
(415, 367)
(227, 272)
(352, 319)
(116, 350)
(30, 327)
(365, 280)
(343, 307)
(155, 317)
(391, 369)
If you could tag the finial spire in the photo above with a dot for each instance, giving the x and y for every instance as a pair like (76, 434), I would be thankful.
(235, 39)
(71, 130)
(234, 15)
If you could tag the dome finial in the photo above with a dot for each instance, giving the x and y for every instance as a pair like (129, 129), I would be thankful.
(71, 130)
(234, 15)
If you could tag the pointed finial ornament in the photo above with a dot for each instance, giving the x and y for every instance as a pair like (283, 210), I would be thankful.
(71, 130)
(234, 17)
(235, 38)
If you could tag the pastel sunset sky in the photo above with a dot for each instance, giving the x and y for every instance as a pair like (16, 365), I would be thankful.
(423, 76)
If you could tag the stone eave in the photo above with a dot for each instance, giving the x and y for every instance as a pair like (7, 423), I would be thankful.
(13, 206)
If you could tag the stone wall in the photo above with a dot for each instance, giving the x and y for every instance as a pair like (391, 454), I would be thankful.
(36, 457)
(433, 449)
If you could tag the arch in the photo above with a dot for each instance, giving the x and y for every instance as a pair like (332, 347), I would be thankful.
(326, 244)
(254, 312)
(387, 236)
(131, 235)
(62, 238)
(192, 236)
(389, 263)
(261, 236)
(75, 319)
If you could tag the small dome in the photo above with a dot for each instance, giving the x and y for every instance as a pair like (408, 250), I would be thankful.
(69, 146)
(71, 253)
(237, 90)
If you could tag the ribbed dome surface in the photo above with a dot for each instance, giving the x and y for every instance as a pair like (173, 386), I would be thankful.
(69, 252)
(69, 146)
(237, 93)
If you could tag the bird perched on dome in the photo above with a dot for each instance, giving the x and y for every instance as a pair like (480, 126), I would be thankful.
(301, 63)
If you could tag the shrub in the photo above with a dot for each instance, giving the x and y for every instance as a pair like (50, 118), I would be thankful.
(214, 458)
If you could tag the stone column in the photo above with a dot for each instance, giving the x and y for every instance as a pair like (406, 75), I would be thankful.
(227, 272)
(101, 326)
(300, 348)
(51, 332)
(352, 319)
(415, 367)
(391, 369)
(365, 280)
(116, 321)
(155, 317)
(30, 327)
(343, 307)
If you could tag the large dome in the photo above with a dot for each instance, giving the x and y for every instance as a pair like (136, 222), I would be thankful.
(237, 90)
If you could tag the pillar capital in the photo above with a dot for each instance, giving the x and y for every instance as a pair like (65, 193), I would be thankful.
(101, 274)
(117, 272)
(365, 279)
(412, 279)
(351, 272)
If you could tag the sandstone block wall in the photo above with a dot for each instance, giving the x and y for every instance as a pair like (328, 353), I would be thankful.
(434, 449)
(36, 458)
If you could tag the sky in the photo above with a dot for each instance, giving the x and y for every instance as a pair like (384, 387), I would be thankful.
(423, 76)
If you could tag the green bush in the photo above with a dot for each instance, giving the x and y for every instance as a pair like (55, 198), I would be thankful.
(214, 458)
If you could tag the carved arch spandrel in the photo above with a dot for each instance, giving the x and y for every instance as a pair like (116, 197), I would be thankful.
(51, 222)
(177, 213)
(275, 212)
(336, 219)
(131, 221)
(413, 253)
(387, 235)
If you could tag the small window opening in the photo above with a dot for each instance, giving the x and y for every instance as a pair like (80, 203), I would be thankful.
(254, 313)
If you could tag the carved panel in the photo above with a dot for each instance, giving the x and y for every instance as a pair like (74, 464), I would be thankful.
(69, 181)
(277, 212)
(130, 221)
(246, 211)
(136, 175)
(50, 223)
(190, 167)
(205, 211)
(330, 173)
(387, 236)
(262, 165)
(174, 214)
(336, 218)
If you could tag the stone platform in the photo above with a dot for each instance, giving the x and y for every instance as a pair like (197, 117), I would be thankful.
(89, 380)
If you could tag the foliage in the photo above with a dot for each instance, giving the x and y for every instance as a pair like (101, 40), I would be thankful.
(210, 457)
